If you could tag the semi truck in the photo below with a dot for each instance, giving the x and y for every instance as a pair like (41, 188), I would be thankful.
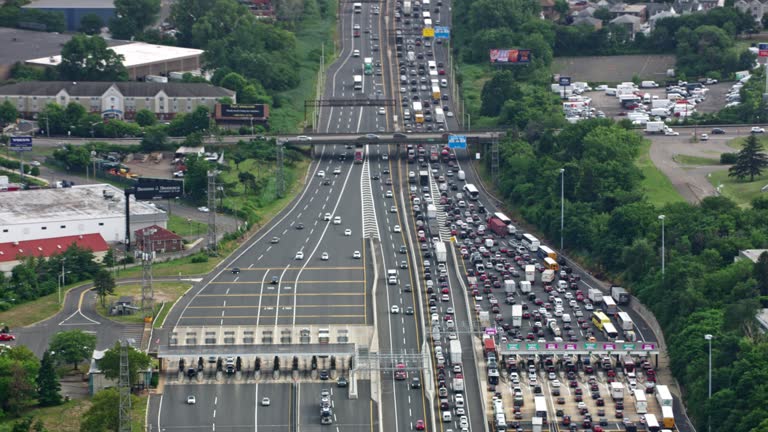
(455, 351)
(620, 295)
(497, 226)
(525, 287)
(548, 276)
(617, 391)
(595, 295)
(530, 273)
(489, 347)
(441, 252)
(517, 316)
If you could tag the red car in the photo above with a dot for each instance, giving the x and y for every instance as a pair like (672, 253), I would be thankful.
(419, 424)
(4, 337)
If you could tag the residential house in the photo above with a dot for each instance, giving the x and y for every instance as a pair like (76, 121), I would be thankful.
(595, 23)
(636, 10)
(632, 23)
(652, 20)
(548, 11)
(754, 7)
(160, 240)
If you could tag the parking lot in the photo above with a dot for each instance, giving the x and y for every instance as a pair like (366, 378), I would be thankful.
(613, 69)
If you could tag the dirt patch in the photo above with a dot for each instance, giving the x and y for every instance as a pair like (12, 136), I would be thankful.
(615, 68)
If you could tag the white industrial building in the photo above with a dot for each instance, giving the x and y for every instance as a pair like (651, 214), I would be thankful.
(79, 210)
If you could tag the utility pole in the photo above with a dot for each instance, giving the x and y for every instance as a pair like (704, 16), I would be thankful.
(212, 190)
(663, 252)
(125, 389)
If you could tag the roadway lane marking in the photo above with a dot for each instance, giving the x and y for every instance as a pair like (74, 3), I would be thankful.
(259, 258)
(305, 207)
(286, 230)
(240, 317)
(309, 268)
(236, 278)
(270, 247)
(256, 407)
(277, 304)
(261, 295)
(251, 266)
(267, 295)
(214, 413)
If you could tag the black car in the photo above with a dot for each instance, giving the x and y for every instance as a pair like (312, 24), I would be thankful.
(341, 382)
(718, 131)
(235, 270)
(324, 375)
(415, 383)
(299, 226)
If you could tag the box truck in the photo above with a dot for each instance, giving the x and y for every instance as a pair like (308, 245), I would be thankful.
(548, 276)
(595, 295)
(517, 316)
(530, 273)
(620, 295)
(509, 286)
(455, 348)
(525, 287)
(617, 391)
(441, 252)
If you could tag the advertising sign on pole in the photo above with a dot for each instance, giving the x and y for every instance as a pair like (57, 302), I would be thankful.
(151, 188)
(21, 143)
(762, 50)
(510, 56)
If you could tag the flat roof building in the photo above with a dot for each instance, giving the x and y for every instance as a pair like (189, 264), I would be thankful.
(78, 210)
(75, 10)
(142, 59)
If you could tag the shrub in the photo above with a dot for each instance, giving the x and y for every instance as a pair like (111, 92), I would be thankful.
(728, 158)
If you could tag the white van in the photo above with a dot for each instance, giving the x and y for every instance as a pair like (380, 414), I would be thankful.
(610, 91)
(462, 175)
(566, 318)
(447, 418)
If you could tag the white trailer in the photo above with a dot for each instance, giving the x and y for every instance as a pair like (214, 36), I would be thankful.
(548, 276)
(441, 252)
(517, 316)
(530, 273)
(641, 403)
(525, 287)
(455, 349)
(617, 391)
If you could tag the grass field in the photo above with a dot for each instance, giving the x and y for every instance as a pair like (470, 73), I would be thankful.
(67, 416)
(695, 160)
(31, 312)
(311, 36)
(656, 186)
(185, 227)
(740, 192)
(164, 292)
(738, 143)
(473, 79)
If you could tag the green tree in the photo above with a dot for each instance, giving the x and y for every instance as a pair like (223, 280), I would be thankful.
(88, 58)
(91, 24)
(133, 16)
(761, 273)
(76, 158)
(196, 177)
(145, 117)
(29, 424)
(751, 160)
(8, 113)
(48, 385)
(155, 138)
(103, 284)
(18, 371)
(496, 91)
(138, 362)
(104, 413)
(72, 346)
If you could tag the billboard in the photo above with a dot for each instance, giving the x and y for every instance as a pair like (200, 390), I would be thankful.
(241, 112)
(762, 50)
(150, 188)
(510, 56)
(21, 143)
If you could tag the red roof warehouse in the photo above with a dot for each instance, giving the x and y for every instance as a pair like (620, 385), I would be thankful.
(11, 252)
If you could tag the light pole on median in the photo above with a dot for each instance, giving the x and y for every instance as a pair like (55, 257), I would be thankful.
(661, 218)
(709, 338)
(562, 206)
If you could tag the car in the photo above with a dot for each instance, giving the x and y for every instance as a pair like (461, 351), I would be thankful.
(757, 130)
(341, 382)
(409, 310)
(415, 383)
(324, 256)
(299, 255)
(191, 400)
(265, 401)
(275, 240)
(347, 232)
(382, 111)
(371, 136)
(203, 209)
(670, 132)
(356, 255)
(304, 138)
(396, 228)
(324, 375)
(395, 309)
(299, 226)
(321, 173)
(235, 270)
(718, 131)
(393, 209)
(388, 194)
(336, 171)
(275, 280)
(356, 53)
(704, 137)
(327, 217)
(420, 425)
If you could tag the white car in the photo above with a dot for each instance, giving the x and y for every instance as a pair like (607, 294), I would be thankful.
(756, 130)
(347, 232)
(324, 256)
(356, 255)
(382, 111)
(385, 157)
(556, 384)
(191, 400)
(203, 209)
(459, 398)
(321, 173)
(463, 422)
(327, 217)
(337, 171)
(388, 194)
(337, 220)
(393, 209)
(304, 138)
(395, 309)
(266, 402)
(671, 133)
(356, 53)
(299, 255)
(396, 228)
(704, 137)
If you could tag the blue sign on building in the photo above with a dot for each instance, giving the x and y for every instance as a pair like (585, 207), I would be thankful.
(21, 143)
(442, 32)
(457, 141)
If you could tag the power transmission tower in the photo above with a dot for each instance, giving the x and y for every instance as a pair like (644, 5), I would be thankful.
(495, 157)
(212, 190)
(279, 177)
(125, 389)
(147, 290)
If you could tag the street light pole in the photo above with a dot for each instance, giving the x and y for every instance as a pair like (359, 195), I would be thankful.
(61, 279)
(709, 338)
(661, 218)
(562, 206)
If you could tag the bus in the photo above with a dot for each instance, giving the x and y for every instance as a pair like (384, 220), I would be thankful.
(357, 7)
(652, 423)
(428, 23)
(609, 306)
(471, 191)
(599, 319)
(625, 322)
(540, 407)
(439, 115)
(368, 65)
(358, 82)
(551, 264)
(545, 251)
(610, 331)
(531, 242)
